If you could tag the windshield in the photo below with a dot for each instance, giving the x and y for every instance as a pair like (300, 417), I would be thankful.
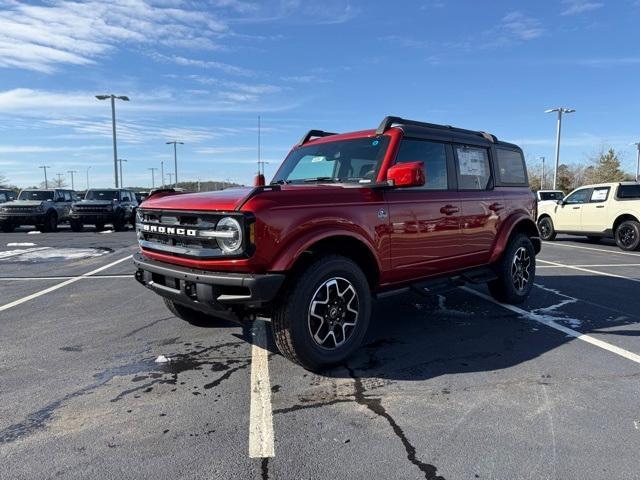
(355, 160)
(35, 195)
(102, 195)
(551, 195)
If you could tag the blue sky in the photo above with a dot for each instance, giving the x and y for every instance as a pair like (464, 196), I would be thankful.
(202, 71)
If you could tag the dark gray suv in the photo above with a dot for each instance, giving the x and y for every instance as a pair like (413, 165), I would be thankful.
(44, 208)
(104, 205)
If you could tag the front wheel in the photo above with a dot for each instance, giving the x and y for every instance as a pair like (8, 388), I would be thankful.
(8, 227)
(324, 313)
(75, 225)
(119, 222)
(545, 227)
(628, 235)
(516, 271)
(50, 222)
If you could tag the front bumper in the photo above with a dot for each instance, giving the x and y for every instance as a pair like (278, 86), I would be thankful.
(210, 292)
(92, 218)
(22, 219)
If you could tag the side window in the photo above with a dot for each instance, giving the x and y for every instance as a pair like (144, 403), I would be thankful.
(474, 171)
(600, 194)
(510, 167)
(67, 196)
(628, 191)
(579, 196)
(434, 157)
(3, 197)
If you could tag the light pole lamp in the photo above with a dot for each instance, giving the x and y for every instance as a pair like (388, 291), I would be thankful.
(560, 111)
(71, 172)
(113, 127)
(153, 176)
(46, 182)
(120, 160)
(175, 158)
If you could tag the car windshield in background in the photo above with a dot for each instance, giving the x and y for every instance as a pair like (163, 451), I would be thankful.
(551, 196)
(355, 161)
(35, 195)
(101, 195)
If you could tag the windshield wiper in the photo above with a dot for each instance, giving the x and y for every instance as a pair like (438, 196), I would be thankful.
(321, 179)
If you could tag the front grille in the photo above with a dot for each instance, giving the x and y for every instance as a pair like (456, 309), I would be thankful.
(20, 209)
(89, 209)
(176, 233)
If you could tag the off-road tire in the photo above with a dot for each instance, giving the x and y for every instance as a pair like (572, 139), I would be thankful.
(627, 235)
(194, 317)
(50, 222)
(504, 288)
(119, 222)
(546, 229)
(76, 226)
(7, 227)
(291, 315)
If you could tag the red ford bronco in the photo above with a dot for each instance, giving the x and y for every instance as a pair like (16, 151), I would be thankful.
(347, 217)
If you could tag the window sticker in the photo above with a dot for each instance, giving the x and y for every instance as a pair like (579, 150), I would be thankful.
(472, 162)
(599, 195)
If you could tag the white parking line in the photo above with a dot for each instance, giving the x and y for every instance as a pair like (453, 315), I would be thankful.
(260, 414)
(604, 274)
(568, 331)
(602, 250)
(590, 266)
(20, 301)
(25, 279)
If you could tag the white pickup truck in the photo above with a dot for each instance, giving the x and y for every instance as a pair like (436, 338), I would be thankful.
(595, 211)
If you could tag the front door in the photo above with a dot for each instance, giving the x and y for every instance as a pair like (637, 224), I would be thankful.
(595, 214)
(425, 221)
(568, 215)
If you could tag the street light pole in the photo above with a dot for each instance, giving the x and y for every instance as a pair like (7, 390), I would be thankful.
(170, 175)
(162, 172)
(175, 158)
(637, 161)
(561, 111)
(88, 177)
(153, 176)
(121, 177)
(113, 127)
(46, 182)
(59, 179)
(542, 179)
(71, 172)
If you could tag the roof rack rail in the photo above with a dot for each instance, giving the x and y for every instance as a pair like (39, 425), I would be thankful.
(387, 122)
(314, 133)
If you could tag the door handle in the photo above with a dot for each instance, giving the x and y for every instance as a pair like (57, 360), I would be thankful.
(449, 210)
(575, 208)
(599, 206)
(496, 207)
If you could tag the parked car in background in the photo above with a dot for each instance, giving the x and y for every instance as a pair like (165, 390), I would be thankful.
(7, 195)
(44, 208)
(101, 206)
(141, 196)
(346, 217)
(595, 211)
(549, 195)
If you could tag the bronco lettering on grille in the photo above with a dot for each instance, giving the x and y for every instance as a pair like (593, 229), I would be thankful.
(169, 230)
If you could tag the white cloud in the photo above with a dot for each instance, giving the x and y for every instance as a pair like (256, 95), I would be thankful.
(521, 26)
(576, 7)
(77, 33)
(207, 64)
(15, 149)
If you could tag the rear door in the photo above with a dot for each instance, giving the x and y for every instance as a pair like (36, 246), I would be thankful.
(595, 214)
(482, 205)
(425, 221)
(568, 215)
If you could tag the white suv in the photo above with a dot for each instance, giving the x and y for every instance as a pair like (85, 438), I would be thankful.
(595, 211)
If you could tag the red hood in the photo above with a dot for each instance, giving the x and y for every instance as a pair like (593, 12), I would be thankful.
(225, 200)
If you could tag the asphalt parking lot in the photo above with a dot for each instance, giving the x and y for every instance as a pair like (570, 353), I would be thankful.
(453, 386)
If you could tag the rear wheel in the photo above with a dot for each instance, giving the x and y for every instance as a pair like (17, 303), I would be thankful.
(545, 227)
(119, 222)
(516, 271)
(194, 317)
(76, 226)
(324, 313)
(628, 235)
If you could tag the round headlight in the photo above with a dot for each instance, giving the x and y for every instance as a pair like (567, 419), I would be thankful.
(231, 241)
